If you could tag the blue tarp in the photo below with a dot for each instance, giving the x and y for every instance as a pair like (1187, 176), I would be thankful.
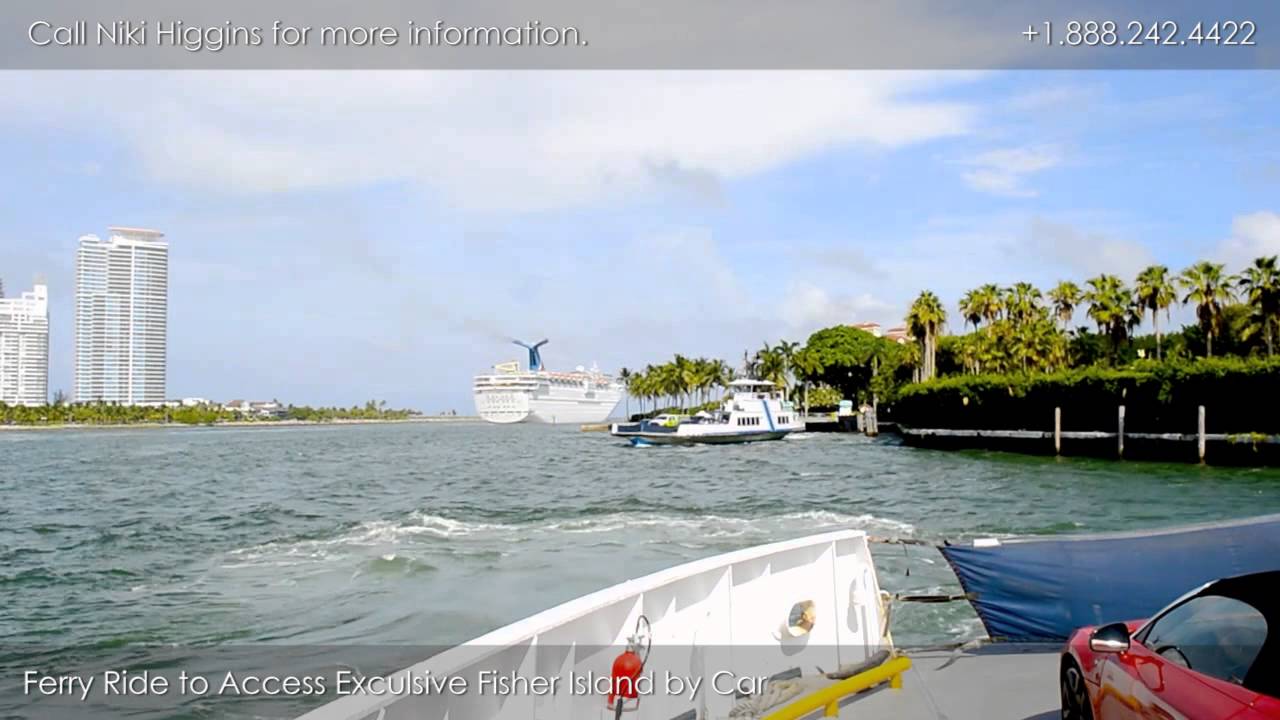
(1037, 590)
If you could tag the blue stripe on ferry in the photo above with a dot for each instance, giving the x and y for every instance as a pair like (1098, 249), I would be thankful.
(768, 415)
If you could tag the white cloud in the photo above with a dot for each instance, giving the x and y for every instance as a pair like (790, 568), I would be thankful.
(1253, 235)
(842, 258)
(809, 308)
(1004, 172)
(1056, 98)
(485, 140)
(1085, 252)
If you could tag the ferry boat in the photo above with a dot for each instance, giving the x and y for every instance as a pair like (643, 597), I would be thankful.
(753, 410)
(738, 632)
(510, 395)
(801, 629)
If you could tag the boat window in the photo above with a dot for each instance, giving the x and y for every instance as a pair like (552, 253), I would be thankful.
(1211, 634)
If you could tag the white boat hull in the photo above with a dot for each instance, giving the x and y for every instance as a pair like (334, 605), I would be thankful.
(640, 438)
(717, 621)
(751, 415)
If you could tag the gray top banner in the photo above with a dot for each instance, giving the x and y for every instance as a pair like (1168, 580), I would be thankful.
(653, 34)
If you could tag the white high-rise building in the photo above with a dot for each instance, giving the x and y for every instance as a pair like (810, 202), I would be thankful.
(122, 317)
(24, 347)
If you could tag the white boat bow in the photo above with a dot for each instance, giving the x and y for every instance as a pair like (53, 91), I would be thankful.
(722, 627)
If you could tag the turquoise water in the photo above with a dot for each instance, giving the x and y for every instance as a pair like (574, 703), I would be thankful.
(431, 534)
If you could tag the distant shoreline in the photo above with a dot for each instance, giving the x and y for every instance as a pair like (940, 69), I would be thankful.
(243, 424)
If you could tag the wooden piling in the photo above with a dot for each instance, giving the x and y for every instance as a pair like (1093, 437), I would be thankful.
(1120, 433)
(1057, 431)
(1200, 435)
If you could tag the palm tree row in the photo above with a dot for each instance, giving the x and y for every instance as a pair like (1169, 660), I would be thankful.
(1015, 329)
(777, 364)
(680, 381)
(1019, 327)
(688, 382)
(1206, 286)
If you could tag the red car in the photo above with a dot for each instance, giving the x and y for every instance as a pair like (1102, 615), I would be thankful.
(1213, 654)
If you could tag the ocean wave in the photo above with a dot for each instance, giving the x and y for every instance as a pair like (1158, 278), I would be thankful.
(425, 531)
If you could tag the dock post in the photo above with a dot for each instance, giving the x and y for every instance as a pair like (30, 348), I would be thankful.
(1120, 433)
(1057, 431)
(1200, 435)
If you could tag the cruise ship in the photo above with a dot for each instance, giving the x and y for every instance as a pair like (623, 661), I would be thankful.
(510, 395)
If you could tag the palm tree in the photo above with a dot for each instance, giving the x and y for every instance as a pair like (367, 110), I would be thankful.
(787, 350)
(686, 378)
(1154, 291)
(1022, 302)
(1260, 284)
(926, 319)
(771, 365)
(967, 350)
(625, 376)
(806, 366)
(988, 302)
(971, 308)
(1110, 307)
(646, 386)
(1065, 296)
(723, 374)
(1209, 288)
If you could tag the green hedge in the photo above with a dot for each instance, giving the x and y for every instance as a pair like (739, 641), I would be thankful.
(1239, 396)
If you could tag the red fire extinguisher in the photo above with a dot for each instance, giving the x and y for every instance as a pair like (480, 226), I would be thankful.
(627, 668)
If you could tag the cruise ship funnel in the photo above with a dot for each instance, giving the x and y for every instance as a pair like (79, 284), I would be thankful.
(535, 357)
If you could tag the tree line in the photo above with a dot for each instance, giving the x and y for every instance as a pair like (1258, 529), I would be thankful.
(688, 383)
(62, 413)
(1021, 329)
(1017, 329)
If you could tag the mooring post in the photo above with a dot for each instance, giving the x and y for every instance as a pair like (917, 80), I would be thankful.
(873, 428)
(1057, 431)
(1120, 433)
(1200, 435)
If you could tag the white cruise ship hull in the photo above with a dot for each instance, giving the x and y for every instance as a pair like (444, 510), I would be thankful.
(543, 398)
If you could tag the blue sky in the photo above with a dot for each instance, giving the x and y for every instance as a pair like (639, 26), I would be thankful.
(343, 236)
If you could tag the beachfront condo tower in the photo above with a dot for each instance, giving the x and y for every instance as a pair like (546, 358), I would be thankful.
(24, 347)
(122, 312)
